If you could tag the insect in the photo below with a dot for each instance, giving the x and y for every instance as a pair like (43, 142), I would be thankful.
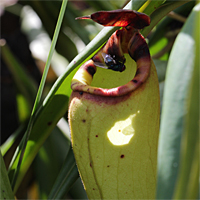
(112, 62)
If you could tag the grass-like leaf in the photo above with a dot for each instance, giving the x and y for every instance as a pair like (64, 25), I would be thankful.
(5, 190)
(21, 149)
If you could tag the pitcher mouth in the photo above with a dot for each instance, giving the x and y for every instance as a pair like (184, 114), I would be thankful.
(83, 78)
(138, 51)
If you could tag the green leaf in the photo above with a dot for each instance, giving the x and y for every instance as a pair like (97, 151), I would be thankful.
(49, 160)
(161, 12)
(187, 186)
(43, 124)
(77, 191)
(153, 5)
(5, 190)
(67, 176)
(161, 67)
(156, 49)
(10, 141)
(174, 110)
(164, 25)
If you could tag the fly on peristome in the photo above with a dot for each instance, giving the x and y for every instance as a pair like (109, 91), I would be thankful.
(112, 62)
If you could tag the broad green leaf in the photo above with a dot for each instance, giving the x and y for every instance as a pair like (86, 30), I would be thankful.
(5, 190)
(187, 186)
(174, 110)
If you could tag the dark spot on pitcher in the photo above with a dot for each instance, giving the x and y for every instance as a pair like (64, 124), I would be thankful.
(122, 156)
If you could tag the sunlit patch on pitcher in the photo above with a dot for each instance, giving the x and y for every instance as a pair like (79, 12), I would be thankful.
(122, 132)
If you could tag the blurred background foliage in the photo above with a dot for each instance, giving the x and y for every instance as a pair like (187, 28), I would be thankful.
(27, 28)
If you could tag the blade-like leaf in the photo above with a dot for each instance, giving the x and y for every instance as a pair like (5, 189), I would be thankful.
(174, 110)
(19, 153)
(5, 190)
(152, 6)
(161, 67)
(188, 184)
(67, 176)
(10, 141)
(49, 160)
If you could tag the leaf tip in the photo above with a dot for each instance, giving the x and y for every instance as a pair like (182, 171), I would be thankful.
(83, 17)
